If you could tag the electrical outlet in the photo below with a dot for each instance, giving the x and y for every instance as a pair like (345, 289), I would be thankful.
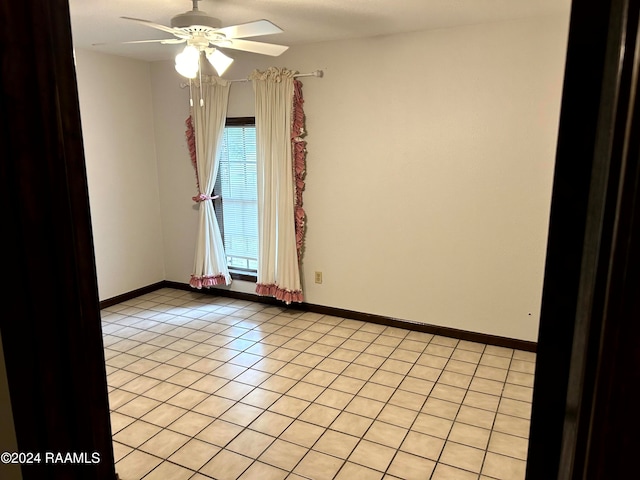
(318, 277)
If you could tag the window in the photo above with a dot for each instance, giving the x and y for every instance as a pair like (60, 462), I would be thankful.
(236, 184)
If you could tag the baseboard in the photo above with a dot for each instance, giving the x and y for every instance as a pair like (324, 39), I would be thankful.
(133, 294)
(338, 312)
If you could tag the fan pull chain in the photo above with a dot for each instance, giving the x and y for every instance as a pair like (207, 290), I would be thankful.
(190, 94)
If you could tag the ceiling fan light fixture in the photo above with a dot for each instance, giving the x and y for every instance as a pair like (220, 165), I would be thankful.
(187, 62)
(219, 60)
(203, 32)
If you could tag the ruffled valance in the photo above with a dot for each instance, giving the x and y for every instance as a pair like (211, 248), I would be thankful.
(210, 80)
(274, 74)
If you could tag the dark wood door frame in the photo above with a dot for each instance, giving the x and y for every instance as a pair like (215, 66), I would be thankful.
(588, 366)
(50, 321)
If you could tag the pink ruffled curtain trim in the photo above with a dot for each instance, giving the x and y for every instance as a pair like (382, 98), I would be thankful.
(299, 162)
(208, 281)
(287, 296)
(202, 197)
(190, 133)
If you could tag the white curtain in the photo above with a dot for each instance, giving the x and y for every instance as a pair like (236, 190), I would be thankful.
(210, 264)
(278, 267)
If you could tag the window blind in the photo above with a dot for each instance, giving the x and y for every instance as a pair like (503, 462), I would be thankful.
(237, 184)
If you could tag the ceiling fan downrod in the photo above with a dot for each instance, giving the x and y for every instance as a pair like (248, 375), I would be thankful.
(195, 18)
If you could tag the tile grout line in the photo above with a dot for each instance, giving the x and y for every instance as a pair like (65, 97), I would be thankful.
(288, 363)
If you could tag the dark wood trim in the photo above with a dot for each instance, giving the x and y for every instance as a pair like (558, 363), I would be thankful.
(130, 295)
(607, 442)
(240, 121)
(50, 323)
(244, 276)
(368, 317)
(422, 327)
(584, 417)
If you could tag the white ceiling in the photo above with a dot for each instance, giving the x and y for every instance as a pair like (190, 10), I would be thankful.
(303, 21)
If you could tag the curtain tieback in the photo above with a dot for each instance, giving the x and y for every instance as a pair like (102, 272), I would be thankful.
(202, 197)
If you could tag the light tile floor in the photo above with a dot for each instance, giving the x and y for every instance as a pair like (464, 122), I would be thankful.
(204, 387)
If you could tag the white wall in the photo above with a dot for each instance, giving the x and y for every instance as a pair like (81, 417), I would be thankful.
(429, 171)
(119, 141)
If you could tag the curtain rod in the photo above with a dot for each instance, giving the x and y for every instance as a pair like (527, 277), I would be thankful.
(317, 73)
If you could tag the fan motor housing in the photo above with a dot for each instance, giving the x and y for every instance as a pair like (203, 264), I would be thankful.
(194, 19)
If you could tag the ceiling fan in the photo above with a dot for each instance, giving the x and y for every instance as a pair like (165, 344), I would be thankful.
(204, 34)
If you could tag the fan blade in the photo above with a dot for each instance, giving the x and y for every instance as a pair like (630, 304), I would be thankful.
(254, 47)
(251, 29)
(167, 41)
(157, 26)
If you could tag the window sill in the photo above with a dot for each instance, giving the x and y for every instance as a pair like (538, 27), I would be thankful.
(244, 276)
